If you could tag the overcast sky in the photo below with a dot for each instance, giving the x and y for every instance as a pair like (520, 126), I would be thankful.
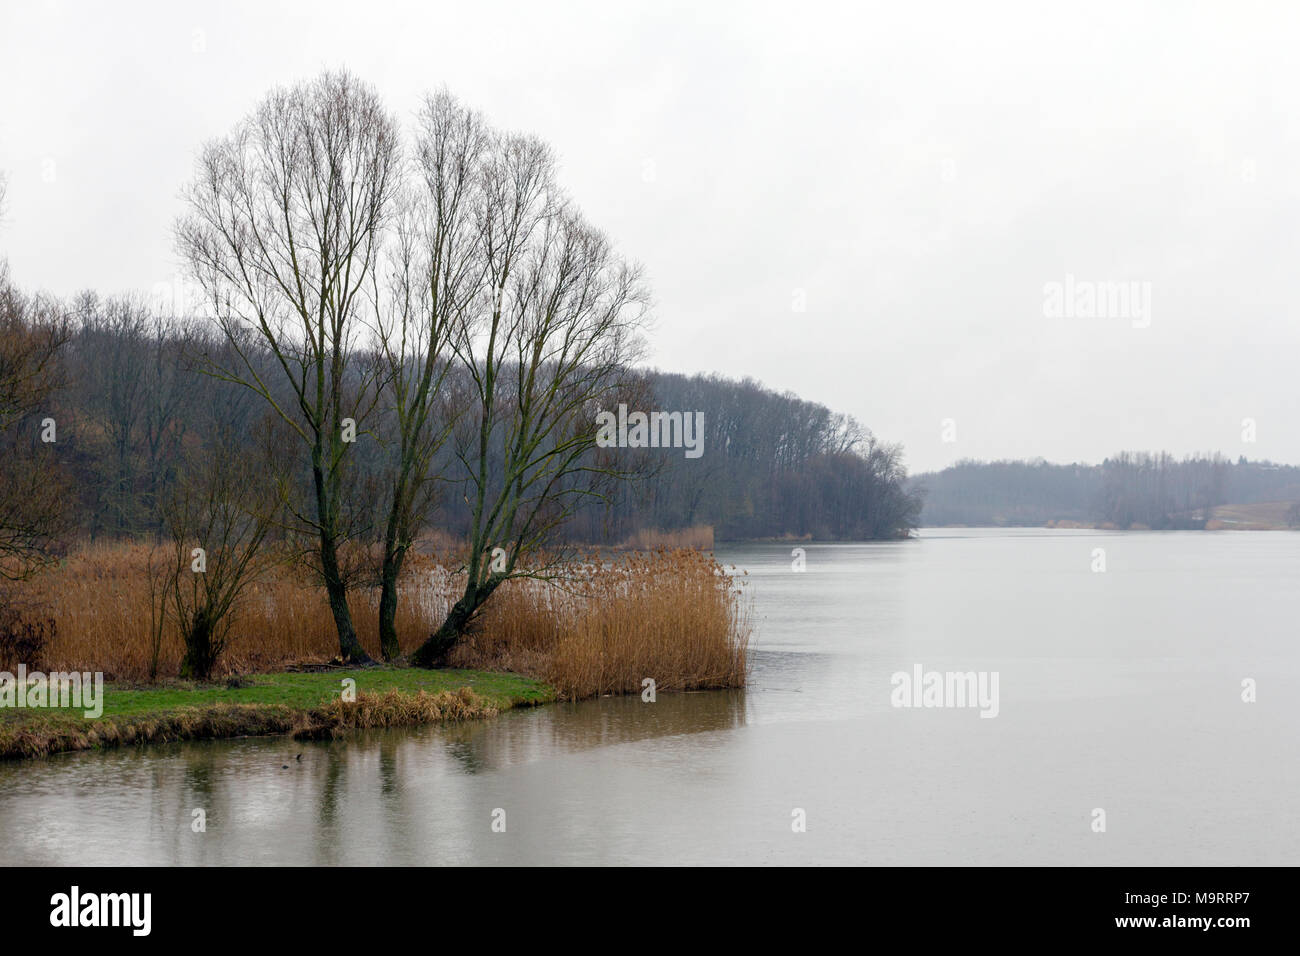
(865, 204)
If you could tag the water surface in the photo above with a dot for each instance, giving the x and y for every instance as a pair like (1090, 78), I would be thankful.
(1118, 690)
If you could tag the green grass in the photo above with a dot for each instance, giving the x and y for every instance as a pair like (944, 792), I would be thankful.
(314, 689)
(270, 704)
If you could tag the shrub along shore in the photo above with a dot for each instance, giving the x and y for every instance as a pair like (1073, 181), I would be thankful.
(305, 705)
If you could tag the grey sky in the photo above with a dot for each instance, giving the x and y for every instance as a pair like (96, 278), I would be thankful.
(914, 174)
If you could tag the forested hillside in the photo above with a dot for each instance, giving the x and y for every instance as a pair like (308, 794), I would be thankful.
(774, 465)
(134, 406)
(1127, 490)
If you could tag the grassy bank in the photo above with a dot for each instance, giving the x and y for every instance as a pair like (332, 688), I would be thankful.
(307, 705)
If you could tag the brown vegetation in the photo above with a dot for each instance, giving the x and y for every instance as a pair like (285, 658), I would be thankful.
(33, 490)
(697, 537)
(1257, 516)
(601, 627)
(673, 616)
(393, 709)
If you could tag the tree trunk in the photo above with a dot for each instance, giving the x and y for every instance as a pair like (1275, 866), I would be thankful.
(434, 651)
(350, 648)
(389, 575)
(198, 660)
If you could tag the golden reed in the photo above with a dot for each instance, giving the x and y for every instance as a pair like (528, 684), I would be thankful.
(606, 623)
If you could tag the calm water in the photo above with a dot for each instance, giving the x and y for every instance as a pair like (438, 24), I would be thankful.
(1118, 690)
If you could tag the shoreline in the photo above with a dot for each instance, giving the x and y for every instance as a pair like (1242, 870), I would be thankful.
(304, 705)
(1066, 525)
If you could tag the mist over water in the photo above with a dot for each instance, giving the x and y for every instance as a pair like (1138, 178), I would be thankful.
(1119, 690)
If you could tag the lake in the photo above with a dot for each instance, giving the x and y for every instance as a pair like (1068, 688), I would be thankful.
(1118, 691)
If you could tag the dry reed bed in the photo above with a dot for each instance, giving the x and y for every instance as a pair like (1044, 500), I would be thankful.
(394, 709)
(601, 626)
(697, 537)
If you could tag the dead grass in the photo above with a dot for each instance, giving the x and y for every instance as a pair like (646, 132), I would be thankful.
(100, 601)
(394, 709)
(1259, 516)
(697, 537)
(676, 617)
(602, 626)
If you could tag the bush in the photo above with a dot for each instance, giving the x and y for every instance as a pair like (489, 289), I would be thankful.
(25, 633)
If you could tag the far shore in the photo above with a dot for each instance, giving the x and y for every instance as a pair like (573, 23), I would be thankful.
(1255, 516)
(1212, 525)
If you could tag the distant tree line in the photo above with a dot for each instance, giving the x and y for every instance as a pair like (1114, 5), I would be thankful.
(1154, 490)
(136, 413)
(773, 465)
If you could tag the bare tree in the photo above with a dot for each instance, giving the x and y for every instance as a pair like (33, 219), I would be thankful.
(436, 278)
(109, 378)
(288, 219)
(218, 519)
(546, 348)
(33, 492)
